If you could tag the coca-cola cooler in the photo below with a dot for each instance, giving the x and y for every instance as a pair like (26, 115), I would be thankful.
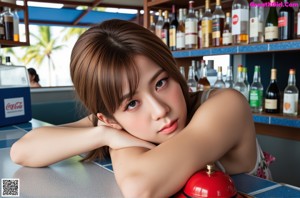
(15, 102)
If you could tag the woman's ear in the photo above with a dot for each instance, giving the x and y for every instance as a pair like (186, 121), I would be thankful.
(108, 121)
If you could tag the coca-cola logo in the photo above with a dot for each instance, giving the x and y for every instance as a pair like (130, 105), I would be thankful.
(14, 106)
(235, 19)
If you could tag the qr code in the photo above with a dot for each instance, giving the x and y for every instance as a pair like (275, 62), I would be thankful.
(10, 187)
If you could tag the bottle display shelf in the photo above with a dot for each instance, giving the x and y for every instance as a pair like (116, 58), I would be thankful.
(277, 119)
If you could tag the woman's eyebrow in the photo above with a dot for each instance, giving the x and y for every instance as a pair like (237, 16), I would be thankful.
(128, 95)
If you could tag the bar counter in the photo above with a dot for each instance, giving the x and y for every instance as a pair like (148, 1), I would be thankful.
(71, 178)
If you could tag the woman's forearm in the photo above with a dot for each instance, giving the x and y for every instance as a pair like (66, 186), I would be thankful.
(47, 145)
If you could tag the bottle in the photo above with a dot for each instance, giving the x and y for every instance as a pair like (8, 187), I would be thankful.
(7, 61)
(2, 31)
(206, 26)
(191, 82)
(152, 24)
(229, 78)
(256, 92)
(298, 24)
(272, 99)
(271, 26)
(240, 22)
(286, 22)
(173, 29)
(8, 20)
(245, 76)
(226, 35)
(291, 95)
(182, 71)
(219, 82)
(200, 28)
(239, 84)
(180, 34)
(194, 64)
(165, 31)
(218, 19)
(16, 26)
(191, 28)
(203, 83)
(256, 22)
(159, 24)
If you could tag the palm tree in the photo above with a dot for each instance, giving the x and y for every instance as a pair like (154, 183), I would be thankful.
(70, 32)
(43, 49)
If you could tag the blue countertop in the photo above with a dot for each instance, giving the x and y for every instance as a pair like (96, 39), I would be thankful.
(70, 177)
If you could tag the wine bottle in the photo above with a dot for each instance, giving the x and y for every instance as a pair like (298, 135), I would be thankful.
(271, 26)
(227, 36)
(286, 22)
(206, 26)
(200, 28)
(218, 19)
(240, 22)
(165, 31)
(256, 22)
(291, 96)
(173, 29)
(180, 37)
(256, 92)
(191, 28)
(159, 24)
(272, 98)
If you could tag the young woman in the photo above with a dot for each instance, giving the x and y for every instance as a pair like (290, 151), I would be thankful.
(157, 133)
(33, 77)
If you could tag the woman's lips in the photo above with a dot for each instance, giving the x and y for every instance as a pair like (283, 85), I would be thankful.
(169, 128)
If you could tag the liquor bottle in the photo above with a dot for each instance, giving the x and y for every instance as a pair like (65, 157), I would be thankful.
(219, 82)
(239, 84)
(256, 92)
(245, 76)
(200, 28)
(16, 26)
(173, 29)
(272, 99)
(291, 95)
(180, 37)
(229, 78)
(257, 22)
(203, 83)
(182, 71)
(240, 22)
(165, 31)
(298, 24)
(218, 19)
(286, 22)
(226, 35)
(152, 24)
(8, 21)
(159, 24)
(2, 31)
(207, 26)
(191, 82)
(191, 28)
(271, 26)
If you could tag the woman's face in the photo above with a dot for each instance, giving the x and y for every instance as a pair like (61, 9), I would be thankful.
(157, 111)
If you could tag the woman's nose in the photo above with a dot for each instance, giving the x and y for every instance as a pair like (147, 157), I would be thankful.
(158, 108)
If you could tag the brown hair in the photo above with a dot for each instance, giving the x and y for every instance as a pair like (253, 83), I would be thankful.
(99, 59)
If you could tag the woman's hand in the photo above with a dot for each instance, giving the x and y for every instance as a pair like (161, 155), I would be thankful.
(118, 139)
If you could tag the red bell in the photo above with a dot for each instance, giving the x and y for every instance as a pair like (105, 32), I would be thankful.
(208, 183)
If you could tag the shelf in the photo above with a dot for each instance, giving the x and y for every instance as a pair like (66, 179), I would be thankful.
(278, 120)
(241, 49)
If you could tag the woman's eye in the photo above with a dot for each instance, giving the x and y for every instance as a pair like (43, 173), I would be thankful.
(131, 105)
(161, 83)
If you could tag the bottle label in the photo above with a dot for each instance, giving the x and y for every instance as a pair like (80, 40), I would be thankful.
(290, 104)
(282, 21)
(180, 40)
(255, 27)
(173, 37)
(271, 104)
(191, 32)
(239, 17)
(216, 29)
(206, 32)
(256, 97)
(271, 33)
(227, 38)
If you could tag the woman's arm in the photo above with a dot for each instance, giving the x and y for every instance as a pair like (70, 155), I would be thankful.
(46, 145)
(217, 130)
